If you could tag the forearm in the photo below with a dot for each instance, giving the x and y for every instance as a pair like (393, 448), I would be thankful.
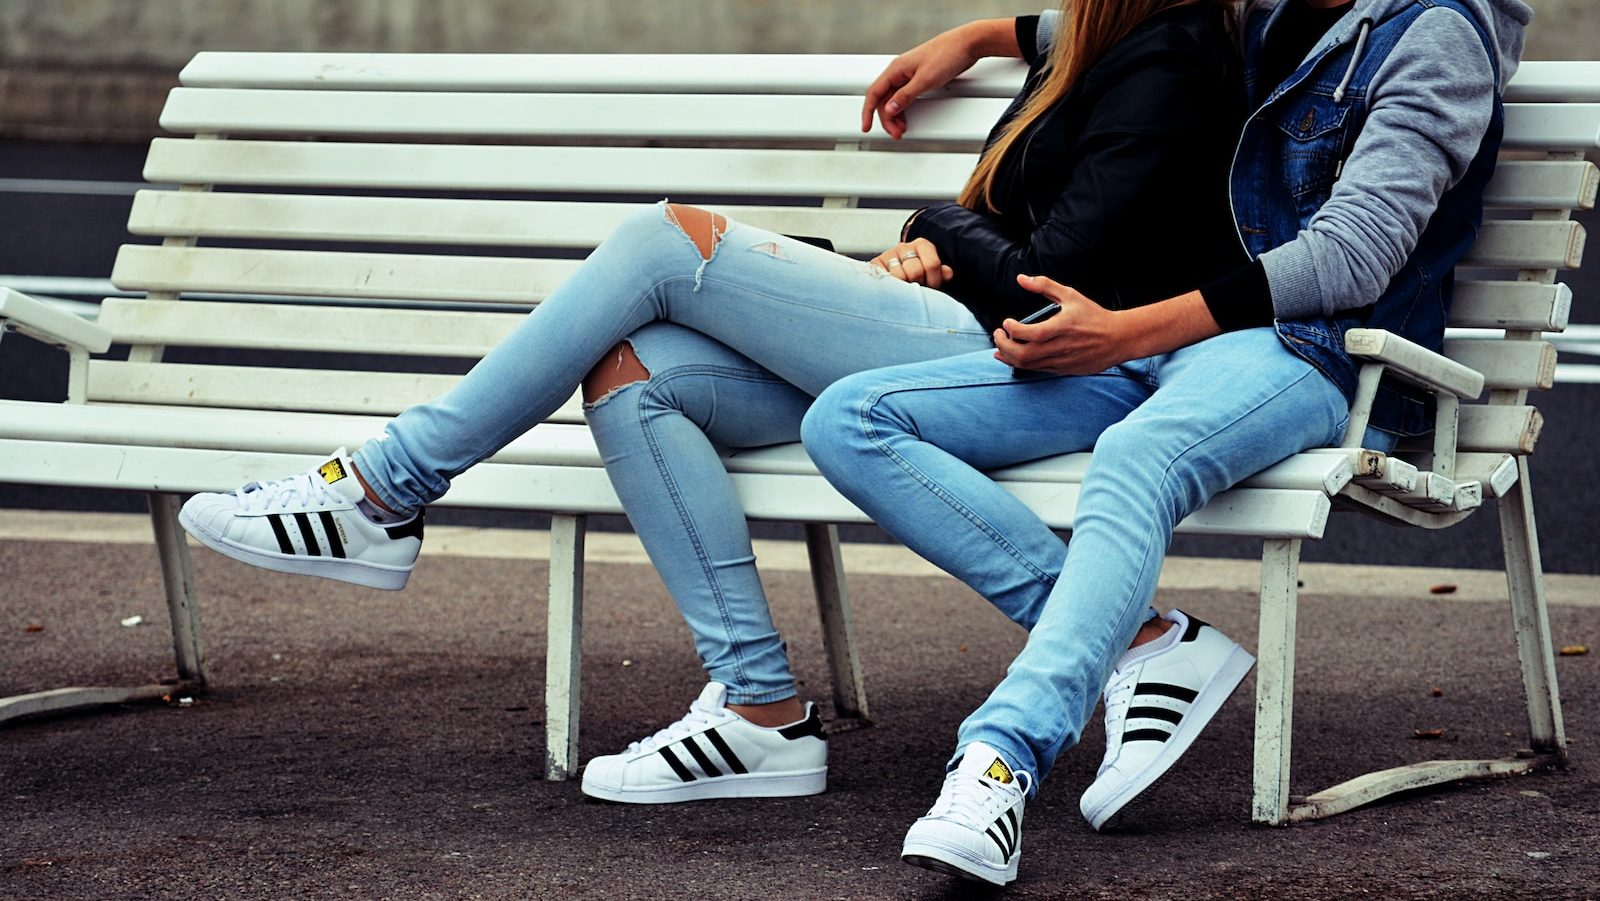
(991, 37)
(1168, 325)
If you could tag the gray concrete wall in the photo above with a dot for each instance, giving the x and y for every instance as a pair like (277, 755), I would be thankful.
(98, 68)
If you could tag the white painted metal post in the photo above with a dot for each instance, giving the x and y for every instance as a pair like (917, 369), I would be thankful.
(177, 576)
(833, 605)
(1530, 617)
(564, 646)
(1280, 575)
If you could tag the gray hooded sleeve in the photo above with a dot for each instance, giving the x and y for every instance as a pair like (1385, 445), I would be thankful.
(1429, 106)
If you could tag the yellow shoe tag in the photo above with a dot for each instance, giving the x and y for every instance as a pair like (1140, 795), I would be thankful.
(332, 471)
(999, 772)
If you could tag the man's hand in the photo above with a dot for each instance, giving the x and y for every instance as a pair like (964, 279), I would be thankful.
(932, 65)
(1086, 338)
(915, 261)
(1083, 338)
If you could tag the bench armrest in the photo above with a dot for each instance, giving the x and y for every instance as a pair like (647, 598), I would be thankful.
(38, 320)
(1414, 362)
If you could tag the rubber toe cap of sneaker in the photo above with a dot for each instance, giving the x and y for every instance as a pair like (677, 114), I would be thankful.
(604, 772)
(210, 512)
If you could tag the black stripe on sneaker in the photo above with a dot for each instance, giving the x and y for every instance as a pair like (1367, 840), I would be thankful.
(278, 532)
(331, 529)
(1146, 735)
(1170, 691)
(1004, 834)
(734, 763)
(706, 766)
(1155, 713)
(1005, 852)
(304, 522)
(683, 772)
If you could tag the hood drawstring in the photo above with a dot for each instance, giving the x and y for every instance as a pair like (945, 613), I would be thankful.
(1355, 60)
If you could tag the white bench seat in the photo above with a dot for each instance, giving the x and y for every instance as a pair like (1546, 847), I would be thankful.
(416, 205)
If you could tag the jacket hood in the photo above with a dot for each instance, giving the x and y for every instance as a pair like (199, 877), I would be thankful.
(1505, 20)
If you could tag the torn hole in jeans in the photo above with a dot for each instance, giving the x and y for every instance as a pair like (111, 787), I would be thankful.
(607, 371)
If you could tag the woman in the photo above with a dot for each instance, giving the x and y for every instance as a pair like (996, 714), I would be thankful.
(695, 331)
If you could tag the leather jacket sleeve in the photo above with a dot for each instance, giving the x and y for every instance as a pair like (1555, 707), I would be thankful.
(1135, 129)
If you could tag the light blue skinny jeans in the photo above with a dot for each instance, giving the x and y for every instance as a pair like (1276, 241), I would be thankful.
(909, 446)
(736, 347)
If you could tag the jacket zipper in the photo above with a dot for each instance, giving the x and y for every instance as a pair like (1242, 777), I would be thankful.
(1233, 210)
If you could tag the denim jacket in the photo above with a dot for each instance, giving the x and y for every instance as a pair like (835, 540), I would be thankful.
(1291, 154)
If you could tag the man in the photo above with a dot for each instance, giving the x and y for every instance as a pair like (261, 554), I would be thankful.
(1356, 186)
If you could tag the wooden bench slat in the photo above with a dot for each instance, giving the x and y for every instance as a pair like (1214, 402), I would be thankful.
(1535, 80)
(1501, 245)
(760, 117)
(1504, 244)
(1555, 81)
(1535, 126)
(1510, 429)
(1552, 126)
(272, 326)
(1511, 305)
(1518, 365)
(653, 171)
(275, 388)
(326, 274)
(1543, 185)
(506, 223)
(1270, 513)
(666, 73)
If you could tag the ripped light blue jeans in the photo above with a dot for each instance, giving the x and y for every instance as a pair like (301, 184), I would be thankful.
(736, 347)
(909, 445)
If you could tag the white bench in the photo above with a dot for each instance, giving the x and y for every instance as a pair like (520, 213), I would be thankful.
(335, 202)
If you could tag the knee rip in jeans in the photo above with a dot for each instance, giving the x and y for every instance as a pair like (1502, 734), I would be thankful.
(703, 228)
(615, 371)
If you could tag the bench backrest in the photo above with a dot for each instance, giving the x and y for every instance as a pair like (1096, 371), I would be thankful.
(352, 191)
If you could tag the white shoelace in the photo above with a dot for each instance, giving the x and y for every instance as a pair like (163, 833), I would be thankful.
(280, 493)
(699, 715)
(972, 799)
(1119, 697)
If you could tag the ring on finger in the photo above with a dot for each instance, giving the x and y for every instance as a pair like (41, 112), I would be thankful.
(909, 255)
(894, 263)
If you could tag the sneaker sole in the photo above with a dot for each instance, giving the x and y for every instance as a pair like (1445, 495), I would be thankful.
(1206, 704)
(356, 572)
(747, 785)
(957, 862)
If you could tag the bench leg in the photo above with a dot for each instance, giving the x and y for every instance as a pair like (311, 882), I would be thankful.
(177, 575)
(1530, 618)
(833, 604)
(564, 647)
(1280, 576)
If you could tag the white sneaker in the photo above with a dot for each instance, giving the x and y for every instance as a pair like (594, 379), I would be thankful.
(974, 830)
(715, 753)
(307, 524)
(1156, 706)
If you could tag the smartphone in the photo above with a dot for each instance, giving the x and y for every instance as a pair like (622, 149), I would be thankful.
(1038, 315)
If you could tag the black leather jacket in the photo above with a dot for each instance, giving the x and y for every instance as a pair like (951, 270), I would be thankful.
(1120, 190)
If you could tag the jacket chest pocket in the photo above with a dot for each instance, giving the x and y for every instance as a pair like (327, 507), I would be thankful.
(1315, 129)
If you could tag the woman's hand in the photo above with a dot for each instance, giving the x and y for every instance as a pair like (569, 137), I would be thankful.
(932, 65)
(916, 261)
(1085, 337)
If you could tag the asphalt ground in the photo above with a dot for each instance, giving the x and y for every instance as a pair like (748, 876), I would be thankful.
(366, 744)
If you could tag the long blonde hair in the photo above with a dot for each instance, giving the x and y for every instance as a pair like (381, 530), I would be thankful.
(1090, 28)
